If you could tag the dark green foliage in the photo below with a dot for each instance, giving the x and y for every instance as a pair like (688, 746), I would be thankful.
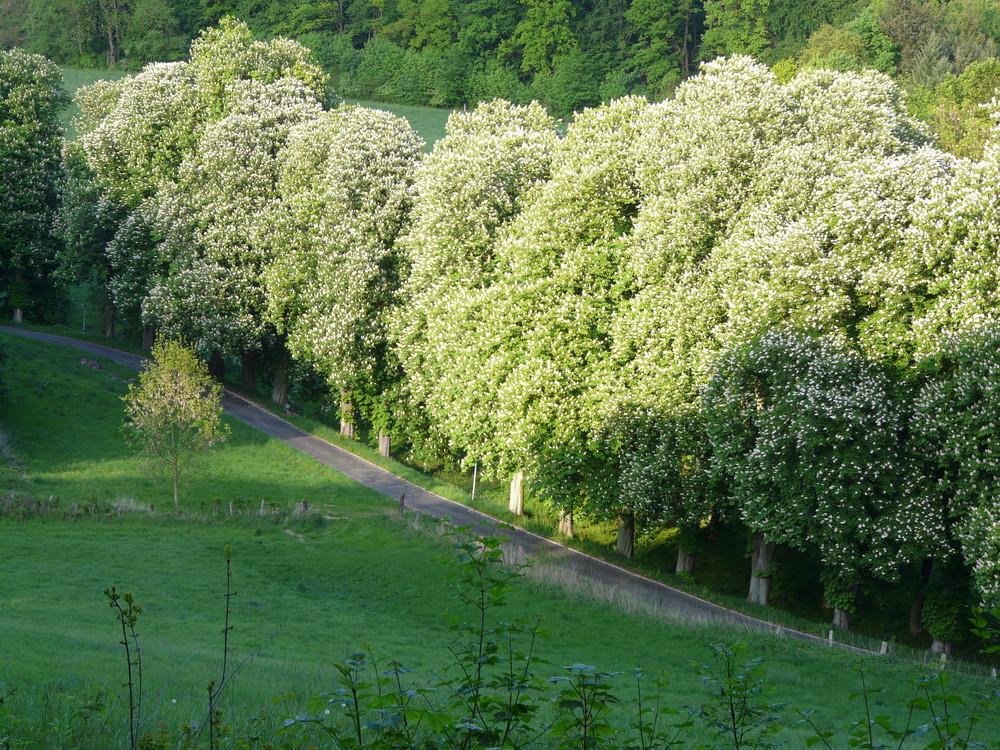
(665, 32)
(31, 95)
(806, 436)
(154, 34)
(958, 115)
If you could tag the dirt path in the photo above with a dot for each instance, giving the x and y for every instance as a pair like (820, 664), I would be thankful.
(672, 603)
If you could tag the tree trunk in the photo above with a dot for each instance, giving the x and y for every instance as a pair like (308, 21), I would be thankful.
(685, 561)
(566, 522)
(626, 534)
(917, 606)
(384, 444)
(279, 388)
(917, 612)
(516, 505)
(112, 54)
(346, 414)
(841, 619)
(941, 647)
(108, 322)
(216, 364)
(248, 371)
(177, 502)
(18, 316)
(148, 337)
(760, 570)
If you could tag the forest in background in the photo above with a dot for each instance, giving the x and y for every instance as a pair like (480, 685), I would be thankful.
(566, 54)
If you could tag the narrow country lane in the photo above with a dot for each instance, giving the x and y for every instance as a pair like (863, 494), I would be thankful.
(672, 603)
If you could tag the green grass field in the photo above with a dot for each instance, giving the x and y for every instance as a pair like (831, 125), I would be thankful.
(310, 589)
(75, 79)
(429, 122)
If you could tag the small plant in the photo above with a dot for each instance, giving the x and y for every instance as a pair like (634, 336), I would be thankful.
(737, 710)
(492, 693)
(584, 703)
(985, 627)
(72, 728)
(494, 688)
(933, 702)
(128, 610)
(215, 689)
(368, 709)
(10, 723)
(647, 729)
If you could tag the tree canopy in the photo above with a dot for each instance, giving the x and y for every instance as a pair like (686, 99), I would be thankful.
(31, 96)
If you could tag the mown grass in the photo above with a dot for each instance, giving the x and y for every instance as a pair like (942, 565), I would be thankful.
(75, 79)
(310, 589)
(723, 569)
(429, 122)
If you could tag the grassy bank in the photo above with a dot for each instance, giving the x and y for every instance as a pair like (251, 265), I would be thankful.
(723, 568)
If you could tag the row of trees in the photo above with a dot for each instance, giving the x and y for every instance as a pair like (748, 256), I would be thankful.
(762, 301)
(712, 306)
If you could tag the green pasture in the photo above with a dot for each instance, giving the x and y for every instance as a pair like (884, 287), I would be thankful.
(429, 122)
(311, 588)
(75, 79)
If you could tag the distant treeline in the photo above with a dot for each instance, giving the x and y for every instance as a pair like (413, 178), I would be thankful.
(564, 53)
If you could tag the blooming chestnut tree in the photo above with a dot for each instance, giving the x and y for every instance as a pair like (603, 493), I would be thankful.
(545, 317)
(343, 197)
(191, 150)
(31, 95)
(951, 252)
(137, 130)
(743, 225)
(807, 436)
(474, 183)
(550, 313)
(87, 221)
(954, 430)
(648, 470)
(214, 220)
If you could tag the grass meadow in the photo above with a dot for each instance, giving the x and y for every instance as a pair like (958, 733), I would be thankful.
(77, 78)
(311, 588)
(429, 122)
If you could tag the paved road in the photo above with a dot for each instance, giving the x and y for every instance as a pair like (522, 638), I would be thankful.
(670, 601)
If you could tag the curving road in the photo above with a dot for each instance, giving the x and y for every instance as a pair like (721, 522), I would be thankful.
(662, 598)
